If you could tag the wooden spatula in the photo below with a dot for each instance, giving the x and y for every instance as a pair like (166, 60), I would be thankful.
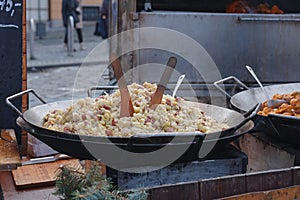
(163, 83)
(126, 103)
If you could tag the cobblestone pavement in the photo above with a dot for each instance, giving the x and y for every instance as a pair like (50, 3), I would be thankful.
(49, 51)
(64, 83)
(56, 76)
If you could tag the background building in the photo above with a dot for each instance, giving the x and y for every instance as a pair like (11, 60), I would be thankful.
(49, 11)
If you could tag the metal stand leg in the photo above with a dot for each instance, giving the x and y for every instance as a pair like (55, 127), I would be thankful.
(70, 36)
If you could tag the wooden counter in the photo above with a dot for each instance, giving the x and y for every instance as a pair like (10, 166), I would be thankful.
(9, 154)
(10, 192)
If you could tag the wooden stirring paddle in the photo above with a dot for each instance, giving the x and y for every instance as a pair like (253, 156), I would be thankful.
(156, 99)
(126, 103)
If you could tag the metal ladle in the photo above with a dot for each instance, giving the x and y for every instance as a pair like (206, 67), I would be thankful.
(179, 81)
(272, 103)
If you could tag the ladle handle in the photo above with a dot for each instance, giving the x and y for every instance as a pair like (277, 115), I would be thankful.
(163, 82)
(126, 103)
(250, 117)
(258, 81)
(179, 81)
(9, 103)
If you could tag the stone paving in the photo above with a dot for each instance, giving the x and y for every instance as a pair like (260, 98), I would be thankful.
(56, 76)
(49, 51)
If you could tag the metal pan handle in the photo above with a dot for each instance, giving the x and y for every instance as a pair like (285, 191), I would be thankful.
(245, 121)
(216, 84)
(232, 136)
(8, 100)
(252, 110)
(107, 87)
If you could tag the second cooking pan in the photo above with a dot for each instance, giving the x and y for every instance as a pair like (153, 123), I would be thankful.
(282, 127)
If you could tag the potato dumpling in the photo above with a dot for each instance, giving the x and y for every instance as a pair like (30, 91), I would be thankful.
(100, 116)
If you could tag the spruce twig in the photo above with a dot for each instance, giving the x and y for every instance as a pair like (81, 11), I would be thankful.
(73, 184)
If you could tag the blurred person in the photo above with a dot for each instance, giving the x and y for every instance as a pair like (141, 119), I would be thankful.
(69, 9)
(102, 26)
(79, 25)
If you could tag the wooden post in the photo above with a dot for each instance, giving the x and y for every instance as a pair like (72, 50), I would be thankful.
(24, 76)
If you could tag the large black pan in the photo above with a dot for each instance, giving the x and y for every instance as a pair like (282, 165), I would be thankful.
(279, 126)
(80, 146)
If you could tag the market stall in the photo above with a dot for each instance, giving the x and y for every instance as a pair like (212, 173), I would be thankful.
(205, 142)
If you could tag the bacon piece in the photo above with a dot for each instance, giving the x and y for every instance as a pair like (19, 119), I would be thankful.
(109, 132)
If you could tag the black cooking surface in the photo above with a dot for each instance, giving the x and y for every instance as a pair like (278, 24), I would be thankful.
(288, 6)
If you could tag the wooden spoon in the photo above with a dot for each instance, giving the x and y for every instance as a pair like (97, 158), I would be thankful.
(126, 103)
(163, 83)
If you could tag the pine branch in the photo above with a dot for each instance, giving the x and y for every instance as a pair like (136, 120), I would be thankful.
(137, 195)
(73, 184)
(68, 180)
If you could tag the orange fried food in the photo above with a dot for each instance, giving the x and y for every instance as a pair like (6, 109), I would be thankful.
(292, 108)
(295, 103)
(263, 8)
(277, 96)
(238, 6)
(243, 6)
(276, 10)
(284, 108)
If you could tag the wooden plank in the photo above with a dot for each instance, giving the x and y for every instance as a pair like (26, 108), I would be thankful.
(24, 76)
(32, 176)
(283, 194)
(9, 154)
(222, 187)
(179, 191)
(273, 184)
(279, 194)
(10, 192)
(269, 180)
(248, 196)
(24, 143)
(296, 175)
(24, 79)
